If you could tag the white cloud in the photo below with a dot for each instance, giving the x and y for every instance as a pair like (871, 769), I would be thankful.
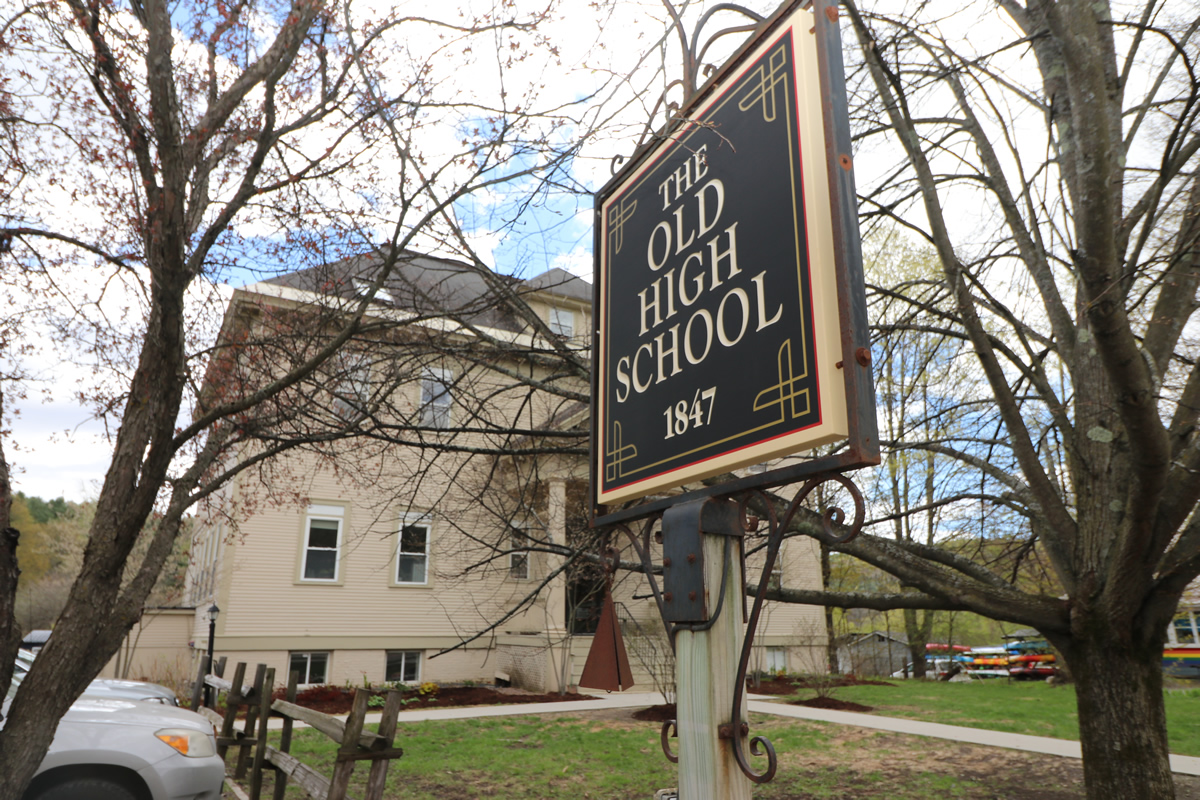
(58, 450)
(578, 262)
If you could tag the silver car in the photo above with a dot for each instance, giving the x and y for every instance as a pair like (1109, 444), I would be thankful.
(110, 749)
(110, 687)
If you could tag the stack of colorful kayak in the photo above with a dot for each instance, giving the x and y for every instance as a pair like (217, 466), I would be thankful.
(1181, 661)
(1030, 660)
(1023, 660)
(985, 662)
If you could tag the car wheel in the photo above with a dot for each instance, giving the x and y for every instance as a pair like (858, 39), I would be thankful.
(88, 789)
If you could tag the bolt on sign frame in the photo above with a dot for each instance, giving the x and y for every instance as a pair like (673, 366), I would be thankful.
(729, 301)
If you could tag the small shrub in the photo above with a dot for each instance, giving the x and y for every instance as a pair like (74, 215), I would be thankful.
(428, 689)
(376, 701)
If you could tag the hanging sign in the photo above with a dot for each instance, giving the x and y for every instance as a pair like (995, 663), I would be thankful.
(718, 336)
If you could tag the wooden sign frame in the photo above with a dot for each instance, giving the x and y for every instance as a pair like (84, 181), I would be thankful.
(729, 303)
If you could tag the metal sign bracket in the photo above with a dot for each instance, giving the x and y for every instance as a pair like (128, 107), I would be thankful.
(685, 597)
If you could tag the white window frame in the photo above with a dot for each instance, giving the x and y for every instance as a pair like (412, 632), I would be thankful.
(352, 388)
(435, 404)
(561, 321)
(307, 655)
(519, 566)
(323, 513)
(418, 655)
(406, 521)
(775, 659)
(775, 579)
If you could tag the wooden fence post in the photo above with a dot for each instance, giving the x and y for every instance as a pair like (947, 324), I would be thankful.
(345, 757)
(233, 698)
(198, 686)
(243, 762)
(285, 736)
(354, 744)
(377, 779)
(260, 748)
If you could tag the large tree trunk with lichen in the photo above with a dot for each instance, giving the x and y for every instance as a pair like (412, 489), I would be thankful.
(1122, 720)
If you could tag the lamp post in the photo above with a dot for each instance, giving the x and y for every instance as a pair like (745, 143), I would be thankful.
(212, 613)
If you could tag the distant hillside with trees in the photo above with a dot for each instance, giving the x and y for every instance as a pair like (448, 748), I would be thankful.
(50, 552)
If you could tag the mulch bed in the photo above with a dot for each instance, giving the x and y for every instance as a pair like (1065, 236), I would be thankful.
(822, 685)
(335, 700)
(659, 713)
(783, 687)
(792, 685)
(338, 700)
(833, 704)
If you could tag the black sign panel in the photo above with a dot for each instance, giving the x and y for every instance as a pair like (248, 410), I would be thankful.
(708, 353)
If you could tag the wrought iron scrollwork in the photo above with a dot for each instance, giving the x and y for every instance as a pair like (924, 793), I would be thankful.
(756, 746)
(760, 746)
(693, 52)
(642, 546)
(668, 730)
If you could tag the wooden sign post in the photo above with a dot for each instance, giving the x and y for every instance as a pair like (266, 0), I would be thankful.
(706, 662)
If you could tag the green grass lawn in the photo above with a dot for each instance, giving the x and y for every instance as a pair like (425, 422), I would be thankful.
(572, 756)
(1030, 707)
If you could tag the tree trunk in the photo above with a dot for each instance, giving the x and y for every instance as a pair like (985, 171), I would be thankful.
(1122, 720)
(916, 641)
(831, 658)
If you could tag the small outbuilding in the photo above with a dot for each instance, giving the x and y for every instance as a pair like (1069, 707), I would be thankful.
(874, 653)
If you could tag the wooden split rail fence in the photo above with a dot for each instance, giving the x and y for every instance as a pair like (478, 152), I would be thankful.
(255, 756)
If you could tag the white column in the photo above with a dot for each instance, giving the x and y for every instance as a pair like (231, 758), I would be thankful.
(558, 654)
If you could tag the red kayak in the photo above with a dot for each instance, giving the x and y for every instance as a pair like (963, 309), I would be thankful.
(1043, 658)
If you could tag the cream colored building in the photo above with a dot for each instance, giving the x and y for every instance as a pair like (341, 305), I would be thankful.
(419, 554)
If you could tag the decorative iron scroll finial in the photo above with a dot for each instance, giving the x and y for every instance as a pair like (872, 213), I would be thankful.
(693, 51)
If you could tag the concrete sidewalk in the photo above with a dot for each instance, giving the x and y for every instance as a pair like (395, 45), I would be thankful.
(1184, 765)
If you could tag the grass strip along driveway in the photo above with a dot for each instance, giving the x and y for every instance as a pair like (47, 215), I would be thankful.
(1031, 707)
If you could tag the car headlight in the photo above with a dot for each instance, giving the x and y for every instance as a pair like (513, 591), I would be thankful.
(189, 742)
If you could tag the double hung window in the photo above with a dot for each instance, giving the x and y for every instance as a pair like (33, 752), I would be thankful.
(322, 543)
(518, 556)
(562, 322)
(435, 397)
(352, 385)
(412, 553)
(776, 660)
(775, 580)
